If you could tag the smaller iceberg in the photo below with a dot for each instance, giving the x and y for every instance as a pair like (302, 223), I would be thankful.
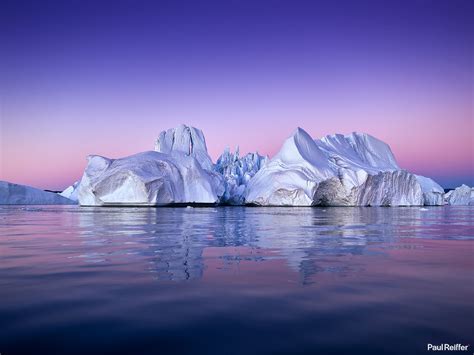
(14, 194)
(460, 196)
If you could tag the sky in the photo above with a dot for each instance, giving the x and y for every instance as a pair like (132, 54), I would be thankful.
(106, 77)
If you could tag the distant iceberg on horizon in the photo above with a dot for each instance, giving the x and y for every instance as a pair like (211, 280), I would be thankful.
(15, 194)
(337, 170)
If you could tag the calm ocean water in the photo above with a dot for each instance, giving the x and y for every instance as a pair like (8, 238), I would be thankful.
(235, 280)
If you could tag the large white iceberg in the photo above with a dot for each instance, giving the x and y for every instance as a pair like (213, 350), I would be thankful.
(148, 178)
(359, 152)
(460, 196)
(14, 194)
(338, 170)
(237, 172)
(179, 171)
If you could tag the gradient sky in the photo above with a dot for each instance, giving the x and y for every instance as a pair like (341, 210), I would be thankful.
(97, 77)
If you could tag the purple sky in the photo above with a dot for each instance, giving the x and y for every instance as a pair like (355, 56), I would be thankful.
(96, 77)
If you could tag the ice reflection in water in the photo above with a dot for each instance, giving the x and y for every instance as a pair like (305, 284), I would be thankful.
(174, 238)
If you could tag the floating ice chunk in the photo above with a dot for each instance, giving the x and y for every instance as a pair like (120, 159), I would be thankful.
(460, 196)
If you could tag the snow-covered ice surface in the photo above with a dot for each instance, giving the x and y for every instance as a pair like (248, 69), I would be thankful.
(14, 194)
(149, 178)
(292, 176)
(460, 196)
(337, 170)
(357, 151)
(237, 172)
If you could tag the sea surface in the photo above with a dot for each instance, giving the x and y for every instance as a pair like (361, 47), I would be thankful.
(235, 280)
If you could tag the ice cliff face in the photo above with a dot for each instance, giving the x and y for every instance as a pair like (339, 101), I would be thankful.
(461, 196)
(237, 172)
(13, 194)
(433, 194)
(187, 140)
(148, 178)
(387, 188)
(338, 170)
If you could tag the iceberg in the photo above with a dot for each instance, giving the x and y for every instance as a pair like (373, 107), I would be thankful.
(363, 152)
(338, 170)
(148, 178)
(14, 194)
(460, 196)
(237, 172)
